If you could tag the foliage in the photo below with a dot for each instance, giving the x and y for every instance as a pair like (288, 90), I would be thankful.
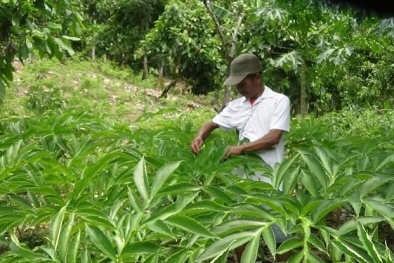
(99, 192)
(119, 26)
(183, 37)
(48, 27)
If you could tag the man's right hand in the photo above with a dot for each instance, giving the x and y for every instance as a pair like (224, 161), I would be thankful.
(196, 145)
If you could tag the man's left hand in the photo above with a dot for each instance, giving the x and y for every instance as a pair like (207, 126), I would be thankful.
(233, 150)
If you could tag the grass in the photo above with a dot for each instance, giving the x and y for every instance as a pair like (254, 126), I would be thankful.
(114, 93)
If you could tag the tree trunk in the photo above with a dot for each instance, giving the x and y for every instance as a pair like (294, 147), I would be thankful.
(146, 72)
(167, 89)
(161, 71)
(94, 47)
(303, 107)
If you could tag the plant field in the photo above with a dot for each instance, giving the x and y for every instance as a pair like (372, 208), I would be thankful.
(87, 178)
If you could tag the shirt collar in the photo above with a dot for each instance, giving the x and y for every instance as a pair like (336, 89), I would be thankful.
(267, 93)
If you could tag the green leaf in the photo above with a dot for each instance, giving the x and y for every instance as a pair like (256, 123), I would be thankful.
(352, 251)
(92, 170)
(228, 243)
(178, 188)
(139, 248)
(205, 206)
(65, 45)
(355, 202)
(290, 180)
(221, 12)
(290, 244)
(162, 228)
(317, 243)
(64, 238)
(178, 257)
(296, 257)
(326, 207)
(71, 38)
(372, 184)
(141, 179)
(351, 225)
(316, 168)
(56, 226)
(134, 201)
(368, 244)
(280, 171)
(384, 209)
(21, 250)
(251, 210)
(236, 225)
(390, 191)
(171, 209)
(154, 258)
(219, 194)
(188, 224)
(161, 176)
(101, 241)
(73, 248)
(269, 238)
(312, 258)
(250, 253)
(20, 200)
(309, 182)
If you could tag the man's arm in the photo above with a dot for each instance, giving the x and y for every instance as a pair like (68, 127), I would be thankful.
(270, 139)
(202, 134)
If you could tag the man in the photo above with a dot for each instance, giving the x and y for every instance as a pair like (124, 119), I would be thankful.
(261, 116)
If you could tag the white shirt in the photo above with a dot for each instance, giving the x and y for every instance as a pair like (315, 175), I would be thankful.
(270, 111)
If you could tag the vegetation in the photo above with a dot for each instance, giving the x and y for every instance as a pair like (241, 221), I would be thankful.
(95, 163)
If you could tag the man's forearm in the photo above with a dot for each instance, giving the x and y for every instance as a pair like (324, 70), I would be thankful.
(267, 141)
(206, 130)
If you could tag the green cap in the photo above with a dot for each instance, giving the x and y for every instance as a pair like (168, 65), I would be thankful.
(242, 66)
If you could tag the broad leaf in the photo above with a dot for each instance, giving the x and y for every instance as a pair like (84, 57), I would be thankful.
(139, 248)
(188, 224)
(290, 244)
(101, 241)
(228, 243)
(161, 176)
(368, 243)
(352, 251)
(326, 207)
(178, 257)
(56, 226)
(64, 238)
(236, 225)
(309, 182)
(72, 252)
(250, 253)
(23, 251)
(352, 224)
(141, 179)
(316, 168)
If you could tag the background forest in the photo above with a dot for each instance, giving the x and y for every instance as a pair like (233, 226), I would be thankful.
(100, 100)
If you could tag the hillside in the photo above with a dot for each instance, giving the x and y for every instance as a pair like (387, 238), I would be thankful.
(112, 92)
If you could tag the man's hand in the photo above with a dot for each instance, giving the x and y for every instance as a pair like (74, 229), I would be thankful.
(196, 145)
(233, 150)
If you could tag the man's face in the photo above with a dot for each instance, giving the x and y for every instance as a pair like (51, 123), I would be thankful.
(248, 87)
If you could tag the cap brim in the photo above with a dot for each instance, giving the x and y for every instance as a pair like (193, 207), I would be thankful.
(234, 80)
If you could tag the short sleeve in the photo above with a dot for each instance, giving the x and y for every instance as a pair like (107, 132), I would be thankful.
(281, 115)
(223, 119)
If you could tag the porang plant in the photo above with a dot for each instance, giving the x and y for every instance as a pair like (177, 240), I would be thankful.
(94, 192)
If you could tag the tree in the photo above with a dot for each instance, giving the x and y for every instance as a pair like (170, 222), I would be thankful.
(45, 26)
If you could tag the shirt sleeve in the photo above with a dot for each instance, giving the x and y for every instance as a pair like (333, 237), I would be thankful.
(225, 118)
(281, 115)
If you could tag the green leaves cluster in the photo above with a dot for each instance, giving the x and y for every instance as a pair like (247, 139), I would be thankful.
(48, 27)
(97, 192)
